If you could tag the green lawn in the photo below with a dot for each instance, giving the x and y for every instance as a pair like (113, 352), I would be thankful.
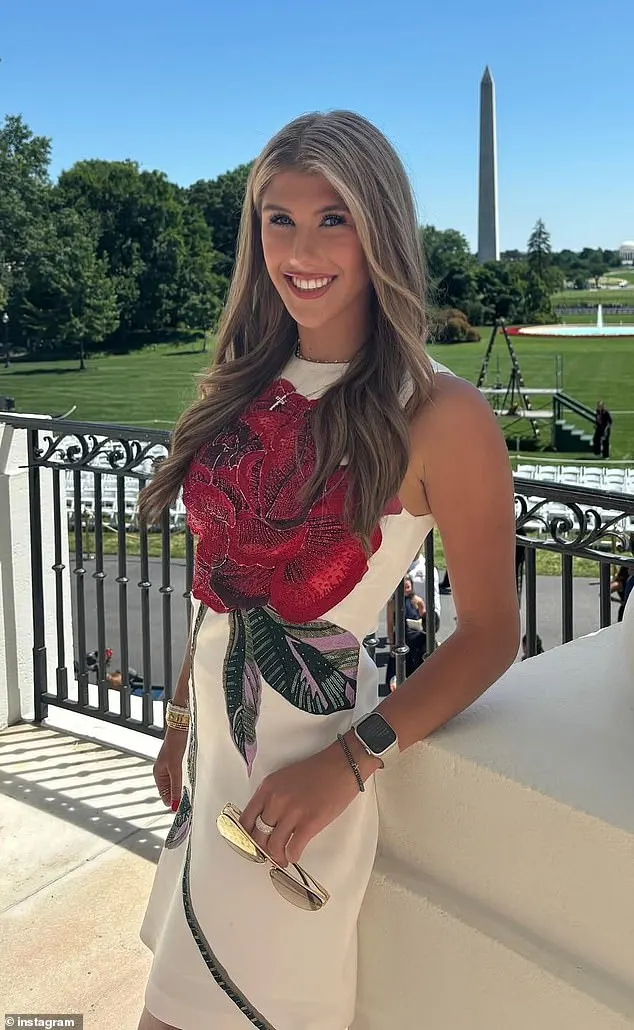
(150, 387)
(573, 297)
(592, 370)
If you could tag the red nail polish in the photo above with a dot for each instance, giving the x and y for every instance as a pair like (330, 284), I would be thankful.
(174, 806)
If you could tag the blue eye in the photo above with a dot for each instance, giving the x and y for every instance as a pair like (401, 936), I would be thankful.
(336, 220)
(330, 220)
(280, 219)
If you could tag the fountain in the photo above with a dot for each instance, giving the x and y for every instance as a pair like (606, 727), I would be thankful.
(600, 329)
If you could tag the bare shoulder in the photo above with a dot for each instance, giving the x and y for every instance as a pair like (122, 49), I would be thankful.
(457, 420)
(462, 462)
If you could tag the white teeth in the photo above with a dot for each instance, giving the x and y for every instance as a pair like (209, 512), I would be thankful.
(309, 284)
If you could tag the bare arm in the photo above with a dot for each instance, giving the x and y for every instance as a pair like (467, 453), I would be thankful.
(181, 689)
(463, 462)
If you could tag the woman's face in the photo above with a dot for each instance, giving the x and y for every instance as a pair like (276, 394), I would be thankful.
(312, 251)
(407, 583)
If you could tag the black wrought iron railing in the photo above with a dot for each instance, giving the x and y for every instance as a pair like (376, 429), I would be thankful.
(574, 521)
(93, 568)
(124, 576)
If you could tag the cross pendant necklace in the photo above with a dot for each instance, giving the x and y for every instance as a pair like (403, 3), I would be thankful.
(280, 399)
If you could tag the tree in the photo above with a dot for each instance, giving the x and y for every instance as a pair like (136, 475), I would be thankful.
(537, 303)
(501, 288)
(597, 267)
(458, 285)
(554, 278)
(580, 279)
(153, 246)
(566, 259)
(220, 203)
(539, 248)
(444, 248)
(512, 255)
(132, 210)
(451, 268)
(25, 191)
(69, 299)
(199, 290)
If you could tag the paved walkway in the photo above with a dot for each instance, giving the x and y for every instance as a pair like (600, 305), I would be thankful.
(82, 829)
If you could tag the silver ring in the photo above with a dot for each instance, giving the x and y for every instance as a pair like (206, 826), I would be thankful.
(263, 827)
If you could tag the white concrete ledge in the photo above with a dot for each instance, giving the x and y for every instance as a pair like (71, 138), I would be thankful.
(467, 975)
(506, 856)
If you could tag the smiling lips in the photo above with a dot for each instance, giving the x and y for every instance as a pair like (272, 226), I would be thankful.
(309, 288)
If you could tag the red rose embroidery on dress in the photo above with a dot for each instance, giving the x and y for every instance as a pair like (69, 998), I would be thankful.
(256, 545)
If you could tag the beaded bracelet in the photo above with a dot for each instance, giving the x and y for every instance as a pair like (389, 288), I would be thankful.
(351, 762)
(177, 716)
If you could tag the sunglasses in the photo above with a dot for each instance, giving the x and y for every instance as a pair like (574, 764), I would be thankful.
(300, 889)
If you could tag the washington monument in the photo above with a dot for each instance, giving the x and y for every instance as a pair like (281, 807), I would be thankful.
(488, 244)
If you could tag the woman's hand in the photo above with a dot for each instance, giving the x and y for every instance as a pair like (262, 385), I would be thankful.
(168, 767)
(304, 798)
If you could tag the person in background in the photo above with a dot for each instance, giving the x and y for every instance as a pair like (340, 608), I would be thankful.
(539, 649)
(418, 574)
(415, 636)
(602, 428)
(617, 586)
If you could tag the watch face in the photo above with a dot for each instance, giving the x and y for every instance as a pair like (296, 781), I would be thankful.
(376, 733)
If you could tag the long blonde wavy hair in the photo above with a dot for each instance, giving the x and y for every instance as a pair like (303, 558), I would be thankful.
(361, 419)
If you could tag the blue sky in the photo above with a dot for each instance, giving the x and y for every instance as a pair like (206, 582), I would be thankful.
(196, 87)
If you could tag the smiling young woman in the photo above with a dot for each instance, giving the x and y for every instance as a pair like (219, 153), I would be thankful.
(314, 257)
(323, 447)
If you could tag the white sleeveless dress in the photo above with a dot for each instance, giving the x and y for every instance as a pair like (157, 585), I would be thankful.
(282, 604)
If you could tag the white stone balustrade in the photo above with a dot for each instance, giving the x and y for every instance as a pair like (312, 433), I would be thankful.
(506, 859)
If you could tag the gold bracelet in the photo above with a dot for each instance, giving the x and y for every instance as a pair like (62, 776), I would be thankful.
(177, 717)
(176, 723)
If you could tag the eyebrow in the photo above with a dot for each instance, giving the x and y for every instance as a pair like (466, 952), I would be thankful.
(337, 206)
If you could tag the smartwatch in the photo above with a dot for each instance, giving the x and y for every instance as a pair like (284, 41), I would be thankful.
(377, 737)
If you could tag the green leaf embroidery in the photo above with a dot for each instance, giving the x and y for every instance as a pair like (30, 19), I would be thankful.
(243, 687)
(313, 665)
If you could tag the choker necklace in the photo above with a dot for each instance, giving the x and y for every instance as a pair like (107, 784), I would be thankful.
(315, 361)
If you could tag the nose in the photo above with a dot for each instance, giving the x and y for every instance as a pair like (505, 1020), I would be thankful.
(304, 250)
